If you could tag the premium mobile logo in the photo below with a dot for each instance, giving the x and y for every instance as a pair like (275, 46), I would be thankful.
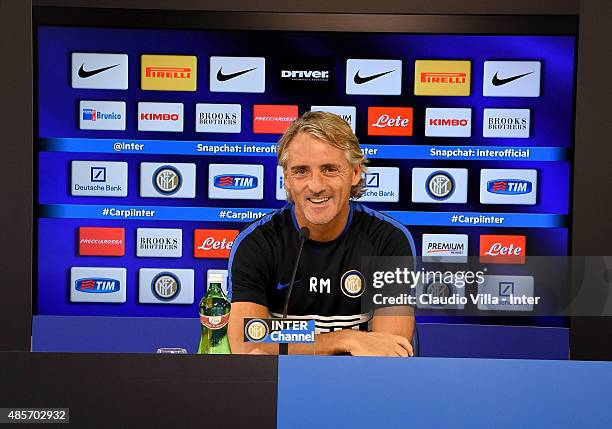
(235, 181)
(445, 122)
(438, 77)
(373, 77)
(213, 243)
(445, 248)
(390, 121)
(99, 71)
(237, 74)
(508, 186)
(95, 284)
(511, 79)
(160, 117)
(101, 241)
(168, 72)
(273, 118)
(502, 249)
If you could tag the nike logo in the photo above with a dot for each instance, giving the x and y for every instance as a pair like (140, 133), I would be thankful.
(282, 286)
(359, 79)
(223, 77)
(85, 73)
(499, 82)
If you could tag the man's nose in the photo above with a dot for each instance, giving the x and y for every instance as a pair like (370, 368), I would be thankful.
(316, 184)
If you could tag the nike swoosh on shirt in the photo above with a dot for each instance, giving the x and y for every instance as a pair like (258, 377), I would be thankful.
(223, 77)
(88, 73)
(281, 286)
(359, 79)
(499, 82)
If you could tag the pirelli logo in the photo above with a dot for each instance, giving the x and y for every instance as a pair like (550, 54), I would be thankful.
(437, 77)
(168, 73)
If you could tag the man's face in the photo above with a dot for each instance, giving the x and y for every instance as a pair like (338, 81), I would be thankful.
(319, 178)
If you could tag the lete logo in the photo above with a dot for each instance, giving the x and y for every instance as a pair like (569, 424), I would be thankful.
(502, 249)
(390, 121)
(213, 243)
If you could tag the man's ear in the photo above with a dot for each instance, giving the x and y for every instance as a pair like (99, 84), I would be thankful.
(356, 175)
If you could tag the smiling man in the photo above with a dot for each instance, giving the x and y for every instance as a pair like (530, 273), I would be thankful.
(323, 169)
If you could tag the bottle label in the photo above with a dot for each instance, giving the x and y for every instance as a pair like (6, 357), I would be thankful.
(214, 322)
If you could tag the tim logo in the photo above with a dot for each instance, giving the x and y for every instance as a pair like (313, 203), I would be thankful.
(98, 285)
(235, 181)
(509, 187)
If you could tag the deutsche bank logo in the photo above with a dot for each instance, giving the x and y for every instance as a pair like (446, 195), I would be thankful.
(508, 186)
(98, 174)
(235, 181)
(381, 184)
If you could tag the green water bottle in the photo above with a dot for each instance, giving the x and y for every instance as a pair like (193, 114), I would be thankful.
(214, 315)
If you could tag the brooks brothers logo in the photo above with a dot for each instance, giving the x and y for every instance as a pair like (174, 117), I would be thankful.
(440, 185)
(218, 118)
(159, 242)
(166, 286)
(89, 73)
(352, 284)
(506, 123)
(168, 72)
(167, 180)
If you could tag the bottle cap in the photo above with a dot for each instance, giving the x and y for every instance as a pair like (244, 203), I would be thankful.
(215, 278)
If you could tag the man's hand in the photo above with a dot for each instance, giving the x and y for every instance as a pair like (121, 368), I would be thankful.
(379, 344)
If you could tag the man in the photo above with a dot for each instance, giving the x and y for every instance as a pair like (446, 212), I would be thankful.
(323, 167)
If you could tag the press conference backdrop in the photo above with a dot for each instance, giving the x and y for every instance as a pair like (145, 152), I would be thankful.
(156, 146)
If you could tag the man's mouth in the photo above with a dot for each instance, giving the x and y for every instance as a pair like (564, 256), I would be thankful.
(319, 200)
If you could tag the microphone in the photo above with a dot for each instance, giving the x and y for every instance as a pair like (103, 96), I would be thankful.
(304, 235)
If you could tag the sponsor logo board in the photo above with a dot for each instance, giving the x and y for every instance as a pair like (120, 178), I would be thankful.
(305, 74)
(273, 118)
(99, 178)
(381, 184)
(348, 113)
(503, 291)
(95, 284)
(218, 118)
(159, 243)
(445, 248)
(94, 241)
(390, 121)
(99, 71)
(237, 74)
(160, 180)
(511, 79)
(373, 77)
(213, 243)
(165, 286)
(160, 117)
(503, 249)
(506, 123)
(448, 122)
(168, 72)
(101, 115)
(441, 77)
(506, 186)
(439, 185)
(235, 181)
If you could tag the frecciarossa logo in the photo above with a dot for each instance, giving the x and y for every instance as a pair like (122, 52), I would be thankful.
(98, 285)
(235, 181)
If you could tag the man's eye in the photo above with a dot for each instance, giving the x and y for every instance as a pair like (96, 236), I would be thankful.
(330, 170)
(299, 171)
